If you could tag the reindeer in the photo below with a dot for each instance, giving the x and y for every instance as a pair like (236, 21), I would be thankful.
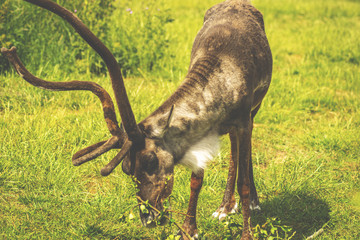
(228, 77)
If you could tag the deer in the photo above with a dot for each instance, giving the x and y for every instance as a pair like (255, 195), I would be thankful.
(229, 75)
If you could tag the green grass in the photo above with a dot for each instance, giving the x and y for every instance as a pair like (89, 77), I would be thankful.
(306, 140)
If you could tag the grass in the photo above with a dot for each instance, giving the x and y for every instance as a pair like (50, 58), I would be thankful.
(306, 143)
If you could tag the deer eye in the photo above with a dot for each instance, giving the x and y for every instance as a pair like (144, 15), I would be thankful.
(150, 162)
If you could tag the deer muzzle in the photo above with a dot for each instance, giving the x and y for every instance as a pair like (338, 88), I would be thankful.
(151, 218)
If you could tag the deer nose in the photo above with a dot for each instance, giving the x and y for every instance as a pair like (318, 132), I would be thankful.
(151, 218)
(147, 218)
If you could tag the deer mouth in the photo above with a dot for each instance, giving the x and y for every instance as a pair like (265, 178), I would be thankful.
(151, 218)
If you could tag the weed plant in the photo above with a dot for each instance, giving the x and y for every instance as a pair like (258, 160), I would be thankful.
(43, 36)
(137, 37)
(306, 143)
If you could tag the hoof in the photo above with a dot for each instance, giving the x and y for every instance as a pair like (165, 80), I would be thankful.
(254, 206)
(181, 236)
(222, 212)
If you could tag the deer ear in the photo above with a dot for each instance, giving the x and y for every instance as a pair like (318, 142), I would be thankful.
(169, 118)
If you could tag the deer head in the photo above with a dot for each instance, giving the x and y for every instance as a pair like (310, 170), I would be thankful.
(152, 167)
(146, 158)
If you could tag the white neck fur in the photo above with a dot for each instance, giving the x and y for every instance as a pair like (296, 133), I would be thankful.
(202, 152)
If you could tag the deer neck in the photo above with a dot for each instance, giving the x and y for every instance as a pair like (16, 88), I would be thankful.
(192, 135)
(202, 109)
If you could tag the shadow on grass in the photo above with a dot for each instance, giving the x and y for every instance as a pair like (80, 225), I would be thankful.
(95, 231)
(303, 212)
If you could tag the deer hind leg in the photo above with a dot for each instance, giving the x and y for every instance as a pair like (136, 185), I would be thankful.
(244, 184)
(229, 204)
(254, 200)
(189, 225)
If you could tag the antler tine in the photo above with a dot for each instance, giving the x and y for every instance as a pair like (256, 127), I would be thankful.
(94, 151)
(117, 159)
(122, 100)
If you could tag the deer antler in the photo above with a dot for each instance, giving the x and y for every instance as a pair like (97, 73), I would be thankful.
(119, 138)
(89, 153)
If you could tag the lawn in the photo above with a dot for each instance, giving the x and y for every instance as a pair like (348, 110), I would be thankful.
(306, 140)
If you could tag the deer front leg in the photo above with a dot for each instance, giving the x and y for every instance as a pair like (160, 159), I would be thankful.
(229, 204)
(243, 183)
(190, 221)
